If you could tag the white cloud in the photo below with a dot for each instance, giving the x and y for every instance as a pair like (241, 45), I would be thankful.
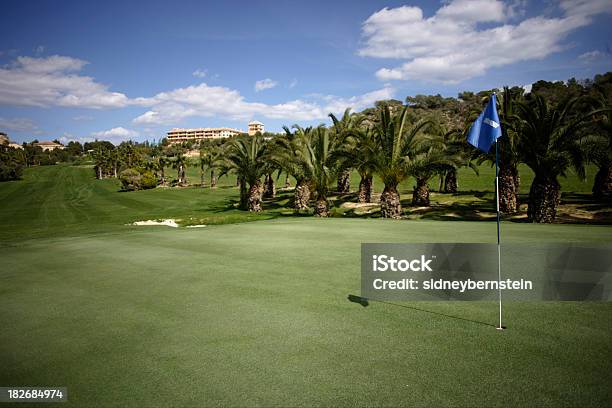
(18, 124)
(115, 135)
(39, 50)
(592, 56)
(265, 84)
(292, 84)
(54, 81)
(202, 100)
(199, 73)
(450, 46)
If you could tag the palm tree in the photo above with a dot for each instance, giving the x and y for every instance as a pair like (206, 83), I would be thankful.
(210, 158)
(320, 161)
(457, 150)
(359, 151)
(395, 140)
(269, 188)
(598, 146)
(287, 153)
(432, 153)
(550, 145)
(180, 162)
(202, 161)
(247, 158)
(162, 162)
(341, 127)
(508, 151)
(100, 157)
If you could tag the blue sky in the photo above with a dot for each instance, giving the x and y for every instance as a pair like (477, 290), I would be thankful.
(121, 70)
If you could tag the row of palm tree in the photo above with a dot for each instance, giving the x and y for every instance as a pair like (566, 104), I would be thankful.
(550, 139)
(393, 147)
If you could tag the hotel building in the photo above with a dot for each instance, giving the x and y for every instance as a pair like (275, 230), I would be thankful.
(255, 126)
(179, 135)
(183, 135)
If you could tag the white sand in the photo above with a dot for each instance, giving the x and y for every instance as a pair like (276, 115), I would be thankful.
(168, 223)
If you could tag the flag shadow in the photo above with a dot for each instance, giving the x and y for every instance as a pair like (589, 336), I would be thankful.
(365, 302)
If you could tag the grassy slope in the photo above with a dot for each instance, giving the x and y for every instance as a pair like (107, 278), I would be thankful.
(59, 200)
(256, 313)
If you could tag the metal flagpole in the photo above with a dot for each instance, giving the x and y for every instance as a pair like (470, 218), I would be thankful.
(500, 327)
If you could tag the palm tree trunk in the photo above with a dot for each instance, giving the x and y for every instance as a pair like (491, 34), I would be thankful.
(255, 193)
(163, 175)
(420, 193)
(344, 182)
(244, 193)
(181, 175)
(213, 179)
(544, 197)
(287, 182)
(321, 206)
(508, 189)
(301, 196)
(450, 182)
(201, 177)
(99, 172)
(603, 182)
(365, 189)
(269, 190)
(390, 205)
(441, 185)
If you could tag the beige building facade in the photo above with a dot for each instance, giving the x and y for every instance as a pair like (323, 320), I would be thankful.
(254, 127)
(178, 135)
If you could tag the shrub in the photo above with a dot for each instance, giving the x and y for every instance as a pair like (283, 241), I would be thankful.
(148, 180)
(10, 171)
(130, 179)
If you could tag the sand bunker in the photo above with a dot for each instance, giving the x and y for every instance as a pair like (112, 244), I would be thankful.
(168, 223)
(196, 226)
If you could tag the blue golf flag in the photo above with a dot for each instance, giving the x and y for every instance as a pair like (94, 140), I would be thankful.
(486, 129)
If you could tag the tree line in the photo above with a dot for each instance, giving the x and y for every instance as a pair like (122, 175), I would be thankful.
(555, 128)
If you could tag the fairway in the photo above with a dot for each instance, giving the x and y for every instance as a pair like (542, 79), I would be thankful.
(255, 313)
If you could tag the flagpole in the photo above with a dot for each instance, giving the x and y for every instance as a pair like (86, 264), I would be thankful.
(500, 327)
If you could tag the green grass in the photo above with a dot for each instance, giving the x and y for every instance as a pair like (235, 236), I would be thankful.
(256, 313)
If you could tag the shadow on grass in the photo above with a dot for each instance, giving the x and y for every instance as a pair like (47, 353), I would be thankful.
(365, 303)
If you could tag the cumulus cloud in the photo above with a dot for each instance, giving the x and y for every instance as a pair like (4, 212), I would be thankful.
(206, 101)
(54, 81)
(18, 124)
(199, 73)
(451, 46)
(265, 84)
(115, 135)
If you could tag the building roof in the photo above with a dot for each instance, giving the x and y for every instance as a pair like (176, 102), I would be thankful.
(255, 122)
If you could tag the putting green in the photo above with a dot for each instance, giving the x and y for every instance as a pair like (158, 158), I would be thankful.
(256, 314)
